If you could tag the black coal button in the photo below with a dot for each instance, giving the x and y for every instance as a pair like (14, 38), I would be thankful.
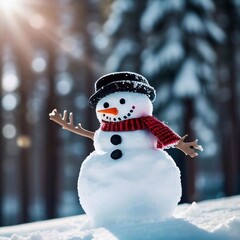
(116, 154)
(116, 139)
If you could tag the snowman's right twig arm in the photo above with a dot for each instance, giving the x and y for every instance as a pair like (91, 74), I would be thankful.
(63, 121)
(189, 147)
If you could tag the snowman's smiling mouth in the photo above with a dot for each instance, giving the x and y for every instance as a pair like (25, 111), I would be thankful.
(109, 118)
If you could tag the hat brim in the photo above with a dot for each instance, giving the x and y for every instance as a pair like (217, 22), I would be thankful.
(122, 86)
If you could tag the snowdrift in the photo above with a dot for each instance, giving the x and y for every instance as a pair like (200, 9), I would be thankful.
(213, 219)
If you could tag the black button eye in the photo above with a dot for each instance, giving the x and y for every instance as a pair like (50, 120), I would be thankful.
(106, 105)
(122, 101)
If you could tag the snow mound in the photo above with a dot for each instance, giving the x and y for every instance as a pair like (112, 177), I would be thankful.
(212, 219)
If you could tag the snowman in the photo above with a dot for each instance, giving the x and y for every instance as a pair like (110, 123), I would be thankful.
(129, 176)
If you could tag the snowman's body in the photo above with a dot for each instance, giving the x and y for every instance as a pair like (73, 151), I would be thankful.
(141, 184)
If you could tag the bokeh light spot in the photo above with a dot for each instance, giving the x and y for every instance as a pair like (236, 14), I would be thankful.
(10, 82)
(39, 64)
(9, 102)
(24, 141)
(9, 131)
(64, 84)
(81, 101)
(37, 21)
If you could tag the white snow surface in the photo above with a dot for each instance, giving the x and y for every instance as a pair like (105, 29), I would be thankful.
(213, 219)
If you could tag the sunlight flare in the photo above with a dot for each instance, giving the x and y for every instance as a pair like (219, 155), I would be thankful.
(9, 5)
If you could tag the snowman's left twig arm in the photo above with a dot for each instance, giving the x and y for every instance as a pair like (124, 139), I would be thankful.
(68, 124)
(188, 147)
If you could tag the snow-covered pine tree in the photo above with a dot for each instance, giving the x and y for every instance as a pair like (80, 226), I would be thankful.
(175, 41)
(180, 60)
(122, 28)
(228, 94)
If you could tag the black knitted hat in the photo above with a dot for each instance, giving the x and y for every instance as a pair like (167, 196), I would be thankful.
(121, 82)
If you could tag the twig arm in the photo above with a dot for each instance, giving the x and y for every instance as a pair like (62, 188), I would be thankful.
(189, 147)
(67, 123)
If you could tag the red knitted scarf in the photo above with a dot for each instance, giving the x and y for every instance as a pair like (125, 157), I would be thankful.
(162, 132)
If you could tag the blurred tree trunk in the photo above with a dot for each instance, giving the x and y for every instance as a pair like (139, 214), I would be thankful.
(1, 139)
(52, 140)
(189, 171)
(51, 144)
(23, 63)
(25, 76)
(229, 122)
(90, 74)
(84, 13)
(23, 53)
(185, 163)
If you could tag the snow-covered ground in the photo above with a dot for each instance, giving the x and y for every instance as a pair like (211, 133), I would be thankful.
(214, 219)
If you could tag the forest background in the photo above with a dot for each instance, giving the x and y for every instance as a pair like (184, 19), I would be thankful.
(51, 54)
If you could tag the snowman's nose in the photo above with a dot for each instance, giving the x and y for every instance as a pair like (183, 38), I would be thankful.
(113, 111)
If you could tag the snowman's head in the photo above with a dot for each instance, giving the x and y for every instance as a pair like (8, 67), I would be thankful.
(120, 106)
